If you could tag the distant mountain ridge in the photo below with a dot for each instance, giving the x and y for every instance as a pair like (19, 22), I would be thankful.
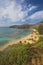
(28, 25)
(21, 26)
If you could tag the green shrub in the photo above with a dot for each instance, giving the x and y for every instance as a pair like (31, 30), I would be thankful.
(40, 29)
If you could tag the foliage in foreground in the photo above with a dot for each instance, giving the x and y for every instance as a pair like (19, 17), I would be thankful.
(20, 54)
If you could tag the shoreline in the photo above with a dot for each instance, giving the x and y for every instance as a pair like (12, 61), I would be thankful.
(31, 38)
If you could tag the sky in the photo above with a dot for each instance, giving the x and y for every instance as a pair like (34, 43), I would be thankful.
(20, 12)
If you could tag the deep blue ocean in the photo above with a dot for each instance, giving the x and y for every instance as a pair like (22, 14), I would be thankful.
(9, 34)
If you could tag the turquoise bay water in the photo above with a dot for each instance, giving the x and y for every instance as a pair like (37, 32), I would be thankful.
(9, 34)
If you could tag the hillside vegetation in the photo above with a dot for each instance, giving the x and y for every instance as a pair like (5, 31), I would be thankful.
(39, 27)
(23, 54)
(39, 44)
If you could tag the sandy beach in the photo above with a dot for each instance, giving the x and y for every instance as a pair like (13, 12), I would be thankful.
(31, 38)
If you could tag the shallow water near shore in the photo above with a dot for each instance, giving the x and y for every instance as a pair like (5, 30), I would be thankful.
(9, 34)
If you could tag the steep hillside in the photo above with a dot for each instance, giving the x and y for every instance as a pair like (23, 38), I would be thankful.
(39, 27)
(21, 54)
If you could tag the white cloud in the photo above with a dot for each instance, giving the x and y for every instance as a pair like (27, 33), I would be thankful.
(13, 11)
(36, 15)
(32, 7)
